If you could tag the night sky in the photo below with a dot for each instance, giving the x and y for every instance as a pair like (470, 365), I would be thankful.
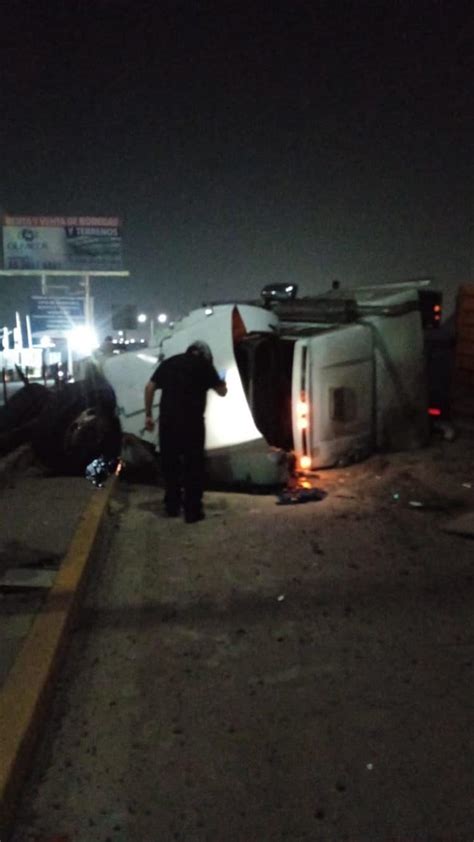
(244, 143)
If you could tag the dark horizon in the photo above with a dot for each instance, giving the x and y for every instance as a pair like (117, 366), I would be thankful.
(244, 145)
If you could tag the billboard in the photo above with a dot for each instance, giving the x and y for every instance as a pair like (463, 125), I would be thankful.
(56, 315)
(69, 243)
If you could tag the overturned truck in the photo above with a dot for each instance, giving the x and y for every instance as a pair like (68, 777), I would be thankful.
(312, 382)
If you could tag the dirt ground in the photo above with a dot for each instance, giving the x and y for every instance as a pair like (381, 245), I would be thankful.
(298, 672)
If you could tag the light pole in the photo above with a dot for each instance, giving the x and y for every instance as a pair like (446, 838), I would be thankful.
(142, 319)
(161, 318)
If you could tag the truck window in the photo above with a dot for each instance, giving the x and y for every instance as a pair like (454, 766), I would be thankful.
(343, 405)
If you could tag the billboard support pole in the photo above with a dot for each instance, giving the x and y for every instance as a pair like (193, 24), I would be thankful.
(88, 300)
(70, 360)
(19, 334)
(28, 332)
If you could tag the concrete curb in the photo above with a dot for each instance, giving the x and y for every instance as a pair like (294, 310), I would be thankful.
(29, 685)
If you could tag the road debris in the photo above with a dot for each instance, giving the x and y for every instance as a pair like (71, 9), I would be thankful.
(291, 496)
(99, 470)
(65, 427)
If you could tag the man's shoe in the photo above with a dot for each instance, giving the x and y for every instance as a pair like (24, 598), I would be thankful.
(169, 512)
(194, 517)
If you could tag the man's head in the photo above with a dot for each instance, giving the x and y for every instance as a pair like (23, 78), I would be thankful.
(200, 349)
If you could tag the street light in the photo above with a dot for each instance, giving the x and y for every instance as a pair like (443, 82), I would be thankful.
(82, 339)
(161, 318)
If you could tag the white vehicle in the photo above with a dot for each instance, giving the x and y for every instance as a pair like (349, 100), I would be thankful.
(318, 382)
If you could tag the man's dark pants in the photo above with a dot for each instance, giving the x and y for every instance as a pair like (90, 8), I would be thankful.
(182, 463)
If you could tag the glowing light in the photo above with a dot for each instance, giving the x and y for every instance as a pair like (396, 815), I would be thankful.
(82, 339)
(46, 342)
(141, 318)
(433, 410)
(162, 318)
(302, 408)
(305, 462)
(437, 308)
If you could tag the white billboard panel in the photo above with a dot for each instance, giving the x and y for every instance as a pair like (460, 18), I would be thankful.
(81, 243)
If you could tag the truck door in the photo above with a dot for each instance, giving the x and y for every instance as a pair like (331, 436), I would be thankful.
(333, 397)
(265, 365)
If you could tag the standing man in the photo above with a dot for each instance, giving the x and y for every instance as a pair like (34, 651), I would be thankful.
(184, 380)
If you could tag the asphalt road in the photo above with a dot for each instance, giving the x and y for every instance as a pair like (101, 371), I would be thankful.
(274, 672)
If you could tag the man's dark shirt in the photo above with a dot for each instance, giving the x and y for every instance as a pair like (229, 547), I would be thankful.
(184, 380)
